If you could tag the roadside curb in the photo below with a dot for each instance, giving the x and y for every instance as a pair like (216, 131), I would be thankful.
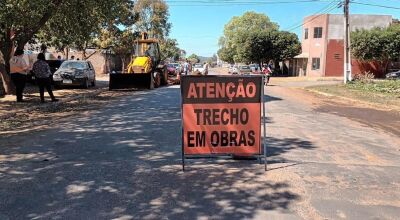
(377, 106)
(62, 101)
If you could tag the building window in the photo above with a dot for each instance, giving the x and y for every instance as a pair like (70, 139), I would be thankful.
(315, 63)
(306, 33)
(318, 32)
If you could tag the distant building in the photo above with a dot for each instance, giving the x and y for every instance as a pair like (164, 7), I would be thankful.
(322, 43)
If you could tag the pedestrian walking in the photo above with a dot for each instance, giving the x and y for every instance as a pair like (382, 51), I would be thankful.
(186, 67)
(205, 69)
(43, 77)
(18, 70)
(267, 72)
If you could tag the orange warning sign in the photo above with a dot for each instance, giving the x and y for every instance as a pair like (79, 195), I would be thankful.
(221, 115)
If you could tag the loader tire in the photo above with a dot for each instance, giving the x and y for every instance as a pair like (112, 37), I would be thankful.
(165, 78)
(157, 79)
(151, 86)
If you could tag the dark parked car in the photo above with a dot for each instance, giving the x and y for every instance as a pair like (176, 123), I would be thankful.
(393, 75)
(75, 73)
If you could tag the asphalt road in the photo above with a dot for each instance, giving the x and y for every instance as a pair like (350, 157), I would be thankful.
(123, 162)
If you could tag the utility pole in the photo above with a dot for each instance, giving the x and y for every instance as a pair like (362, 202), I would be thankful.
(347, 55)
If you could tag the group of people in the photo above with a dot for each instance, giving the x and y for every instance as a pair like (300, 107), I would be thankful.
(19, 70)
(188, 68)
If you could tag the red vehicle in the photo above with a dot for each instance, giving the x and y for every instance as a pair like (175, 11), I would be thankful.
(171, 69)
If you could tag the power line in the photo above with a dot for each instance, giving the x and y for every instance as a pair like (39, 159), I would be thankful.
(331, 6)
(235, 3)
(375, 5)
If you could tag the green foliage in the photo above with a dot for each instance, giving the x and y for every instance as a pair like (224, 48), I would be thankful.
(252, 37)
(378, 44)
(81, 21)
(121, 42)
(256, 47)
(169, 49)
(194, 58)
(57, 22)
(286, 45)
(382, 86)
(152, 17)
(227, 54)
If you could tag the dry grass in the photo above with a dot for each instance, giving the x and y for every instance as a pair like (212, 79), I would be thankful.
(383, 93)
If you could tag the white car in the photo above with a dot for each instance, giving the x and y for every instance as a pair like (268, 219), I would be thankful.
(198, 67)
(244, 70)
(233, 70)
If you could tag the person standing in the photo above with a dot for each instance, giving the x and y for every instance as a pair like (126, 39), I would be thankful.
(205, 69)
(18, 70)
(186, 67)
(43, 77)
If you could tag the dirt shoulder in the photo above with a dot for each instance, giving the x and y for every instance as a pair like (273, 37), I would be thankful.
(8, 105)
(383, 117)
(373, 94)
(46, 115)
(32, 115)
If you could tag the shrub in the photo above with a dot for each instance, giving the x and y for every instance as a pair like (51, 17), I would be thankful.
(365, 77)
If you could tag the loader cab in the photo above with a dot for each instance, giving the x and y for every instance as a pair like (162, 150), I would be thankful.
(147, 48)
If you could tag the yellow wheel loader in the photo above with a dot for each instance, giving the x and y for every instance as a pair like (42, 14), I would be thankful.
(145, 69)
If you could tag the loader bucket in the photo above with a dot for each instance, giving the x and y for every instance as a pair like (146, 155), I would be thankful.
(130, 81)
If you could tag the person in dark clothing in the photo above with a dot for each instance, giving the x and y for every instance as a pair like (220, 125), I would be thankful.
(43, 77)
(18, 70)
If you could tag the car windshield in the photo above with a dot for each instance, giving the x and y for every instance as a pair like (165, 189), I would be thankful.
(171, 66)
(73, 65)
(198, 65)
(244, 67)
(175, 64)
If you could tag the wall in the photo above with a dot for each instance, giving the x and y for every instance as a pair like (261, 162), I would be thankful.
(357, 21)
(97, 59)
(315, 47)
(334, 58)
(359, 67)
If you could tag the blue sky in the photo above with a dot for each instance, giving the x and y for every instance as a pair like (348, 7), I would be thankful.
(198, 28)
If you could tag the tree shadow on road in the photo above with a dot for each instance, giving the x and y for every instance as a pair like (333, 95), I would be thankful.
(126, 164)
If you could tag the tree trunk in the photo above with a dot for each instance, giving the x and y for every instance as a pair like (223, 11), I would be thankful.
(66, 53)
(6, 79)
(6, 48)
(123, 64)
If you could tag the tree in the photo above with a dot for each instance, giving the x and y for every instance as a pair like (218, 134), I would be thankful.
(227, 54)
(70, 30)
(152, 17)
(257, 47)
(119, 41)
(253, 38)
(71, 20)
(286, 45)
(381, 45)
(238, 30)
(169, 49)
(194, 58)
